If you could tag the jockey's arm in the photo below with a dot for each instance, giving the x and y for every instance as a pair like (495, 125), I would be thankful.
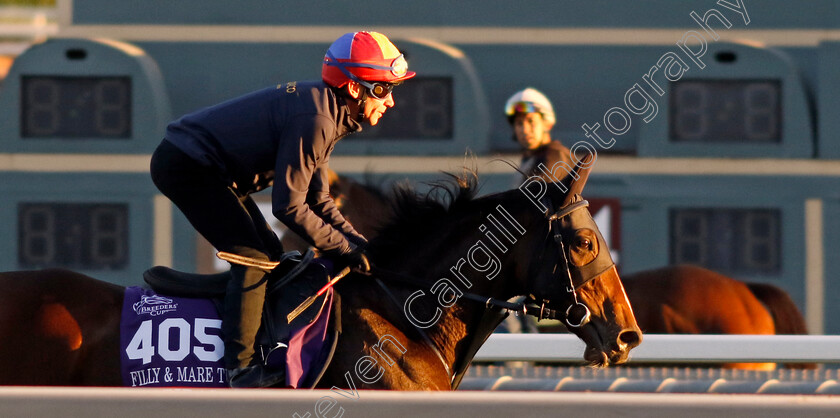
(298, 159)
(322, 203)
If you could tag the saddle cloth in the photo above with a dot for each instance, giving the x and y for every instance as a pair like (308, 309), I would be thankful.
(177, 341)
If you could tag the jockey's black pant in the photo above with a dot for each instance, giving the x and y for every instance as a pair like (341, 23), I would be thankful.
(230, 224)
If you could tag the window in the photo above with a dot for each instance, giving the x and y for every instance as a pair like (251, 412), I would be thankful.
(732, 240)
(75, 107)
(91, 236)
(422, 109)
(742, 111)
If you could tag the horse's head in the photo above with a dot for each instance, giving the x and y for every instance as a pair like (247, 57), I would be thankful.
(575, 280)
(556, 256)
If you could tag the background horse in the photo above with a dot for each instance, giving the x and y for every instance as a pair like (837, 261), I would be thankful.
(669, 300)
(693, 300)
(61, 328)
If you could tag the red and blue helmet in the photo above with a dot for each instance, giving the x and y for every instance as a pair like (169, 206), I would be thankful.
(364, 57)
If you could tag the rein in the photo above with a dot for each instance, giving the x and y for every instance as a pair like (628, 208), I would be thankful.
(488, 302)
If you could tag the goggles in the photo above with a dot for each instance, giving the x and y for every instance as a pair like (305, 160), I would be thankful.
(380, 90)
(398, 65)
(522, 107)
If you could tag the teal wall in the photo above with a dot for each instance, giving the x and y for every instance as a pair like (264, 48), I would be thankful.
(537, 13)
(582, 81)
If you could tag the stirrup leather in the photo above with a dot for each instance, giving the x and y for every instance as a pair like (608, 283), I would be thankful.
(248, 261)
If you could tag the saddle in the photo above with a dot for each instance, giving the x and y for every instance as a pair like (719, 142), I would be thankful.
(296, 278)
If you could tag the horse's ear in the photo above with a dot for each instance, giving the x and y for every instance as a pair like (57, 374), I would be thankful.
(578, 180)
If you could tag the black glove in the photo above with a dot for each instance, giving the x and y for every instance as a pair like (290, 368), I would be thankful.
(356, 260)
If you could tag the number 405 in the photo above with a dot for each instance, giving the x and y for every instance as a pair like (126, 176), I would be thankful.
(142, 344)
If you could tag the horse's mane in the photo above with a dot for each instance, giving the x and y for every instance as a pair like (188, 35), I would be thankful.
(413, 213)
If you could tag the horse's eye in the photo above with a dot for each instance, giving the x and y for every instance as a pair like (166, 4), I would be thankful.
(584, 243)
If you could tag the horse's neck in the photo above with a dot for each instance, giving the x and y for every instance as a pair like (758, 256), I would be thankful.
(449, 337)
(448, 262)
(456, 327)
(457, 332)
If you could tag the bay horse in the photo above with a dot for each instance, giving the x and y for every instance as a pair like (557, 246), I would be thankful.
(686, 299)
(440, 269)
(679, 299)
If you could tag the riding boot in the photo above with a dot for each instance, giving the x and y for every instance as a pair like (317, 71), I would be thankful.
(244, 302)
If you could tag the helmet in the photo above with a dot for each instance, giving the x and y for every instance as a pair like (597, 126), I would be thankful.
(364, 57)
(529, 100)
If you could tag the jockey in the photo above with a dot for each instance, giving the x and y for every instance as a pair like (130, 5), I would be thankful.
(211, 161)
(531, 116)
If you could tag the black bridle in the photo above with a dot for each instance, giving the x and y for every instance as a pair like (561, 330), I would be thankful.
(576, 314)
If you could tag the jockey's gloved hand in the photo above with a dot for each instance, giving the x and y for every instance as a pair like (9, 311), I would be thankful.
(356, 259)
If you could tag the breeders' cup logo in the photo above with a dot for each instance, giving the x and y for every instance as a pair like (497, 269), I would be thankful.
(154, 305)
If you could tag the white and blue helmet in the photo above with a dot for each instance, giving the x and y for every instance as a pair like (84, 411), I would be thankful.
(529, 100)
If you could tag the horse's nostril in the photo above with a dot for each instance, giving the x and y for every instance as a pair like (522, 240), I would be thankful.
(630, 338)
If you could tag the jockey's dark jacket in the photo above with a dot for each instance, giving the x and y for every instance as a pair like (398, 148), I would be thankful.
(283, 136)
(548, 154)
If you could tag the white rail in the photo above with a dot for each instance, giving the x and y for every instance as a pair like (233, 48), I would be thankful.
(207, 403)
(659, 348)
(33, 31)
(19, 26)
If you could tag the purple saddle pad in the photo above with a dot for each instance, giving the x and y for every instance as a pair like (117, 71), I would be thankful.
(176, 341)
